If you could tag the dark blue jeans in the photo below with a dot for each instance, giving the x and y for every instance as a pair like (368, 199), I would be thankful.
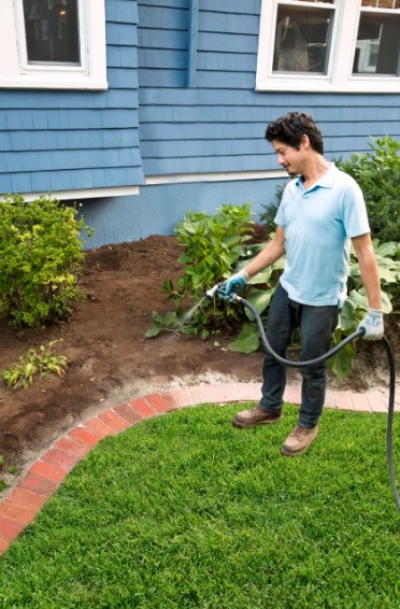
(316, 327)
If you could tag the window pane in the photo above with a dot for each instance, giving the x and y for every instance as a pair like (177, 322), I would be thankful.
(378, 44)
(302, 39)
(52, 34)
(381, 3)
(321, 1)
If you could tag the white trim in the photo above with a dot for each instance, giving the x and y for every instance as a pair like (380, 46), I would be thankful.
(215, 177)
(339, 77)
(15, 72)
(75, 195)
(125, 191)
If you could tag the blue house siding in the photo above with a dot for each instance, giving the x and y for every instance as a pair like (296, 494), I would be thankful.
(199, 114)
(219, 125)
(77, 140)
(157, 209)
(181, 120)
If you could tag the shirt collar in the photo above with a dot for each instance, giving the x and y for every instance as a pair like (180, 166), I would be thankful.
(326, 181)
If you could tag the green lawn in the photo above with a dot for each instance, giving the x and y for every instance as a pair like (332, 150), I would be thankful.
(185, 511)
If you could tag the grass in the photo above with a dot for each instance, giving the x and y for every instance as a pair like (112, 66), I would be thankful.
(185, 511)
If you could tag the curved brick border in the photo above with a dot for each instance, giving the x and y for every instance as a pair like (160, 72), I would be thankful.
(41, 480)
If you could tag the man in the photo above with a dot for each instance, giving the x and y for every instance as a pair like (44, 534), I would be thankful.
(320, 214)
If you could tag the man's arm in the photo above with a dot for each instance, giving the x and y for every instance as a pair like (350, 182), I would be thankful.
(369, 269)
(372, 324)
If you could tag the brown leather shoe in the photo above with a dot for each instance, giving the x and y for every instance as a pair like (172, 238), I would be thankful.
(299, 440)
(255, 416)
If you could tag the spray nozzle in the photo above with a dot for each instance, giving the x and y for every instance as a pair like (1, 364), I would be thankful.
(211, 292)
(218, 289)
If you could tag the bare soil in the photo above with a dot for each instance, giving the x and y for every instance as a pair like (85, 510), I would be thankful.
(109, 359)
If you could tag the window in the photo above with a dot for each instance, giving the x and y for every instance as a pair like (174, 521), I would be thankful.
(56, 44)
(52, 32)
(329, 45)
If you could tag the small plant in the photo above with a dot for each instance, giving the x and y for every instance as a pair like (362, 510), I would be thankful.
(23, 371)
(40, 260)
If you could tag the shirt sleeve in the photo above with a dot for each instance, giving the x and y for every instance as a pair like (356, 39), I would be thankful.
(355, 217)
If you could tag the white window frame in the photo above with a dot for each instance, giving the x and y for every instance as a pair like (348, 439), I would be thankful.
(339, 77)
(16, 72)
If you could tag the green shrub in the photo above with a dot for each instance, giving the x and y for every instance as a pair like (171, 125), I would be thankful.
(378, 174)
(40, 260)
(212, 245)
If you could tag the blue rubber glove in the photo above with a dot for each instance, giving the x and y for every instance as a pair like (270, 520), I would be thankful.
(235, 284)
(372, 324)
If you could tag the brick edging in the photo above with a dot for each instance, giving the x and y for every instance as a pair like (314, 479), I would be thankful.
(26, 499)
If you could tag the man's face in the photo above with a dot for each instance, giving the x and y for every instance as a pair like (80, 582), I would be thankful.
(290, 158)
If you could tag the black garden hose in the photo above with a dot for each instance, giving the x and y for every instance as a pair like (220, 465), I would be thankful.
(322, 358)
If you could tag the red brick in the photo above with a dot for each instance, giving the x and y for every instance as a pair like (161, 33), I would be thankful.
(11, 511)
(169, 398)
(197, 395)
(9, 529)
(4, 545)
(26, 498)
(73, 447)
(100, 428)
(114, 420)
(127, 412)
(329, 399)
(38, 484)
(219, 394)
(248, 391)
(360, 402)
(183, 397)
(377, 401)
(343, 400)
(84, 436)
(158, 403)
(60, 458)
(142, 407)
(48, 470)
(292, 394)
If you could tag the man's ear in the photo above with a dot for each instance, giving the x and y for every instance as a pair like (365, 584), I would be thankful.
(305, 141)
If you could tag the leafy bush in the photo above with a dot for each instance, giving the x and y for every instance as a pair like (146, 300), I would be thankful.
(378, 174)
(40, 259)
(212, 245)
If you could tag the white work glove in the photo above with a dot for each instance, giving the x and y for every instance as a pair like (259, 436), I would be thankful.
(372, 325)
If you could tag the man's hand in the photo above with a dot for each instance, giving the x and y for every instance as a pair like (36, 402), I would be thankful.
(235, 283)
(372, 325)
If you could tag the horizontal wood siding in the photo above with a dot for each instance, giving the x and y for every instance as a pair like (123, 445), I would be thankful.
(219, 125)
(70, 140)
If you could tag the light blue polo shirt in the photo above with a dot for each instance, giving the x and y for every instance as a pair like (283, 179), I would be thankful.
(318, 224)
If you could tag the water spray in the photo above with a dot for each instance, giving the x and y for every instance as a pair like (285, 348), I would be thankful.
(233, 297)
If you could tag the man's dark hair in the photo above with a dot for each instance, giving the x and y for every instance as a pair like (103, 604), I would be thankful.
(290, 128)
